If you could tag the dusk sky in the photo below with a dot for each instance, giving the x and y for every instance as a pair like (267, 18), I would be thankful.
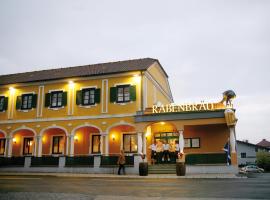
(206, 47)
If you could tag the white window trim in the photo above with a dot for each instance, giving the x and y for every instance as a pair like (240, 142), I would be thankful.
(28, 110)
(56, 90)
(125, 103)
(88, 87)
(2, 95)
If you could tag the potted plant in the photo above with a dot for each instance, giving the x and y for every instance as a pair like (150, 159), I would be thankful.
(143, 167)
(180, 165)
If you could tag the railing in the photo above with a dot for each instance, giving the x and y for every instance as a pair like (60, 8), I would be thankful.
(80, 161)
(12, 161)
(210, 158)
(45, 161)
(111, 161)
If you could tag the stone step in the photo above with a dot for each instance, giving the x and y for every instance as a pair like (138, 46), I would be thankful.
(162, 169)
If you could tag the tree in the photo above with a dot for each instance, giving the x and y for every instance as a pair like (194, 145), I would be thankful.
(263, 160)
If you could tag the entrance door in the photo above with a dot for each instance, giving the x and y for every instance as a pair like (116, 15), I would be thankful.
(171, 139)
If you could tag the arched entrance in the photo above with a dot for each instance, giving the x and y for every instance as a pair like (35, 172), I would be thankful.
(87, 140)
(123, 136)
(23, 143)
(166, 138)
(54, 140)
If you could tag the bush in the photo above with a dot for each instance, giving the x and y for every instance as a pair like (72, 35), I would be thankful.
(263, 160)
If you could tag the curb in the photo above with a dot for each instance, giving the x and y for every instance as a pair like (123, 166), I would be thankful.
(151, 176)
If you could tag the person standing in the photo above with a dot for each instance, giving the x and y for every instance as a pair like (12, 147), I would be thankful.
(159, 151)
(121, 162)
(166, 147)
(153, 148)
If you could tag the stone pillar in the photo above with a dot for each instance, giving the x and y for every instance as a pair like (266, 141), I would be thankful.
(71, 142)
(102, 144)
(181, 141)
(9, 146)
(107, 144)
(181, 146)
(39, 146)
(6, 147)
(67, 145)
(140, 143)
(232, 139)
(144, 144)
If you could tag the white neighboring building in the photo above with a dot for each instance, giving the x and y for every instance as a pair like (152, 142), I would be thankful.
(246, 152)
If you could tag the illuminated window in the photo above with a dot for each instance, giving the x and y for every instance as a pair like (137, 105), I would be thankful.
(27, 146)
(130, 143)
(27, 101)
(56, 99)
(95, 143)
(88, 96)
(123, 94)
(2, 146)
(58, 145)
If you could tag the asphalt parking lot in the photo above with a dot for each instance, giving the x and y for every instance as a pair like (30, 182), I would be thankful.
(51, 187)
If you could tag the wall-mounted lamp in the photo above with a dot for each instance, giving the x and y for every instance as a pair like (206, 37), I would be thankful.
(14, 140)
(113, 137)
(137, 78)
(71, 84)
(162, 123)
(76, 138)
(30, 143)
(12, 90)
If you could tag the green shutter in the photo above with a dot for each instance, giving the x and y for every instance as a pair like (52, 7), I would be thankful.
(113, 94)
(19, 102)
(132, 91)
(34, 101)
(78, 97)
(5, 103)
(47, 99)
(97, 95)
(64, 99)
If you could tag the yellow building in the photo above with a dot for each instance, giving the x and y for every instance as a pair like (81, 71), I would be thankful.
(87, 114)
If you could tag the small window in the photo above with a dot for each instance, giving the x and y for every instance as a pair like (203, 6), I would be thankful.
(187, 143)
(243, 155)
(123, 94)
(27, 146)
(95, 143)
(58, 145)
(2, 103)
(27, 101)
(130, 143)
(2, 146)
(192, 142)
(88, 96)
(56, 99)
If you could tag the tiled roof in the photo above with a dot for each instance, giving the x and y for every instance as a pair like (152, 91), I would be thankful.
(79, 71)
(264, 143)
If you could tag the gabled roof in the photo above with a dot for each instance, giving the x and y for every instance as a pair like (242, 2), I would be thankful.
(264, 143)
(255, 145)
(80, 71)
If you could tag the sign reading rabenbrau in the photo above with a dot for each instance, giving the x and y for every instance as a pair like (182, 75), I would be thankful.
(202, 106)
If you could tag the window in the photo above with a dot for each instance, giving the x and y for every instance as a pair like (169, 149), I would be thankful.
(27, 146)
(192, 142)
(2, 103)
(58, 145)
(56, 99)
(2, 146)
(88, 96)
(243, 155)
(123, 94)
(130, 143)
(95, 143)
(27, 101)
